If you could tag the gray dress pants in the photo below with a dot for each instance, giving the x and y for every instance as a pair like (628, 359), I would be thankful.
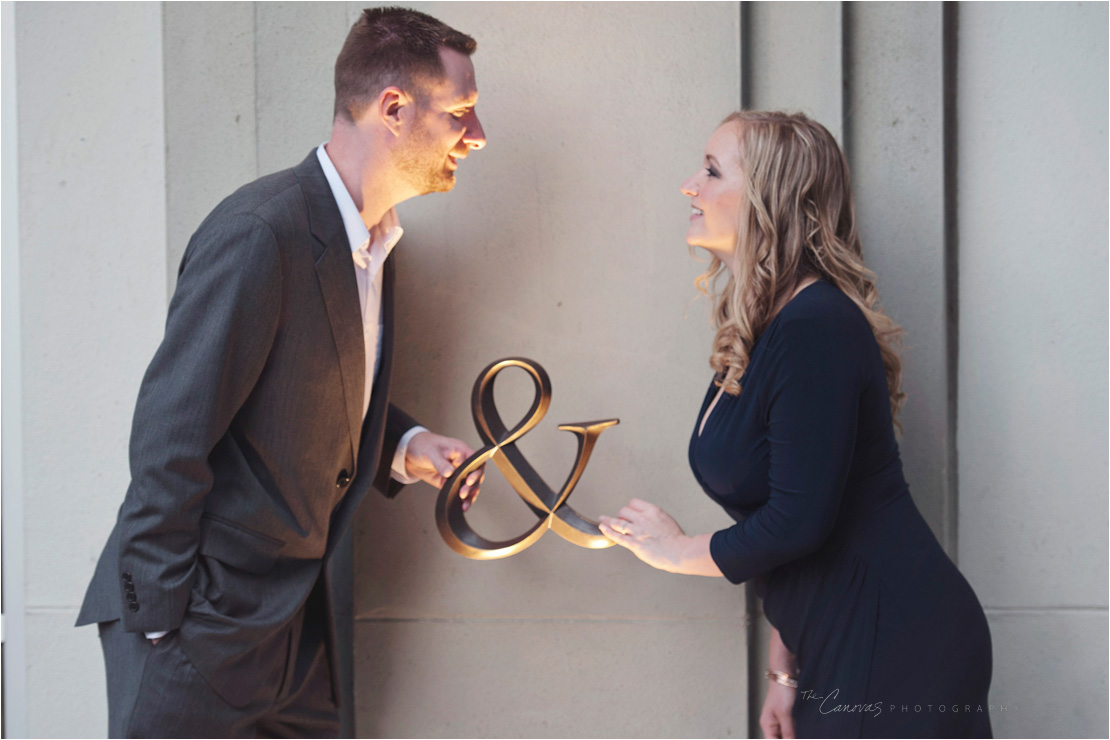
(154, 691)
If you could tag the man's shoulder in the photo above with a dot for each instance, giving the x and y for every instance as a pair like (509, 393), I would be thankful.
(268, 196)
(279, 199)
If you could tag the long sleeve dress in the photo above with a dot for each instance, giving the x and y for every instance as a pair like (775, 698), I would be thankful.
(890, 639)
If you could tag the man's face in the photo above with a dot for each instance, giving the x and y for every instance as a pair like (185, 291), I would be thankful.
(445, 127)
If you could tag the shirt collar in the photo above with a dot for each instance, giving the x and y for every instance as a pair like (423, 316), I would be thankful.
(387, 232)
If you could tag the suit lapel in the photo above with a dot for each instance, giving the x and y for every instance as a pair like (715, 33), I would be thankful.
(336, 272)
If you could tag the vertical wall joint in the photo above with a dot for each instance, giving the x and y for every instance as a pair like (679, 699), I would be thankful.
(949, 19)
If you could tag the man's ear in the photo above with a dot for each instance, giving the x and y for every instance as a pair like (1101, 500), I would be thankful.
(392, 108)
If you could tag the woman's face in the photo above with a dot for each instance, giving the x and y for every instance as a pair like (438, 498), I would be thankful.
(716, 192)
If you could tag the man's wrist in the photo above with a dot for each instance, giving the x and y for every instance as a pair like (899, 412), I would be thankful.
(398, 470)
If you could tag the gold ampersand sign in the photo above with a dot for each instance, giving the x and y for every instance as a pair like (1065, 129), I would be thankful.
(550, 507)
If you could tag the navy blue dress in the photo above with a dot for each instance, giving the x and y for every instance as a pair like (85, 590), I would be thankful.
(890, 640)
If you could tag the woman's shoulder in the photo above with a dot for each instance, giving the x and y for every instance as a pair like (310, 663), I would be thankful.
(820, 317)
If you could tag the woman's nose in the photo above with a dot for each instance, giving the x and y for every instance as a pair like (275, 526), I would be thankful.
(690, 187)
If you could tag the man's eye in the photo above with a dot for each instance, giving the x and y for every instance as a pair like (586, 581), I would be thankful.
(460, 114)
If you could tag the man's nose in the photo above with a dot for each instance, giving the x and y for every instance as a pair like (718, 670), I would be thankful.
(475, 136)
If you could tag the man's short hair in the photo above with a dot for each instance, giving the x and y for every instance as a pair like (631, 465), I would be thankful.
(391, 46)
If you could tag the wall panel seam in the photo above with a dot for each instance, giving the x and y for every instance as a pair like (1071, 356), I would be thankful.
(744, 53)
(171, 270)
(845, 100)
(14, 544)
(254, 72)
(550, 620)
(949, 51)
(1044, 609)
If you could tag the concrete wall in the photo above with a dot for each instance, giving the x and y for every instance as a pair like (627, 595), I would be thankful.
(1033, 360)
(92, 266)
(984, 216)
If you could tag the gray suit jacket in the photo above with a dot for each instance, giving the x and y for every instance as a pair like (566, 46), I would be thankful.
(248, 451)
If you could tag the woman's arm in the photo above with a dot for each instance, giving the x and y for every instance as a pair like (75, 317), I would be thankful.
(778, 657)
(812, 402)
(655, 537)
(812, 410)
(777, 717)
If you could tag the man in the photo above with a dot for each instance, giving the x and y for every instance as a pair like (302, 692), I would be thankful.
(264, 416)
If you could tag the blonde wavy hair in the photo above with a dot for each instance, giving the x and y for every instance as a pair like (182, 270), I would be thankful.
(797, 220)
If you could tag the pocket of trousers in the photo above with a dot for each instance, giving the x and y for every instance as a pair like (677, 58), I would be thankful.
(174, 700)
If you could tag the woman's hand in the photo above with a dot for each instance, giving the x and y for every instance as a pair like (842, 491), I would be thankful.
(648, 531)
(776, 719)
(654, 537)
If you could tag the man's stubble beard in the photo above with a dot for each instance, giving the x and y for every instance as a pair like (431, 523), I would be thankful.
(421, 163)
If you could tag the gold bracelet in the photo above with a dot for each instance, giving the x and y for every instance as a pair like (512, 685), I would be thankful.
(783, 678)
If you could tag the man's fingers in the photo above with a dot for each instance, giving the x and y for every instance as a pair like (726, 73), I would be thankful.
(445, 468)
(457, 451)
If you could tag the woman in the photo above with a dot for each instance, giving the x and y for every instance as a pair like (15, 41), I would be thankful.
(876, 633)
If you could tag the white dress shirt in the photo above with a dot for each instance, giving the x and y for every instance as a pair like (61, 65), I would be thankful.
(369, 249)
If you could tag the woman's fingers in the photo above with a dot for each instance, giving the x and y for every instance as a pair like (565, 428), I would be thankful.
(617, 524)
(631, 515)
(786, 727)
(614, 534)
(772, 726)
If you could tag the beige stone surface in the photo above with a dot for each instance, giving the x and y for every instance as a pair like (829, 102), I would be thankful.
(212, 149)
(65, 677)
(404, 570)
(1049, 673)
(1033, 294)
(550, 678)
(795, 57)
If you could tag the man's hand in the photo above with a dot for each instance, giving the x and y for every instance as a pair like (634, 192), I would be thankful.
(433, 458)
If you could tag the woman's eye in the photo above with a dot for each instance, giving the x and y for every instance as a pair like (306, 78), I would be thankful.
(712, 172)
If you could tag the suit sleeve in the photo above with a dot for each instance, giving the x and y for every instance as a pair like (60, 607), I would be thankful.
(221, 325)
(397, 422)
(812, 407)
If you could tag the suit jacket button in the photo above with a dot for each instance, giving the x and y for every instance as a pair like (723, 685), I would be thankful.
(129, 587)
(133, 606)
(132, 597)
(127, 577)
(343, 479)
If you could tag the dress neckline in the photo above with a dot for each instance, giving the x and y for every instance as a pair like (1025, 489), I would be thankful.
(712, 401)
